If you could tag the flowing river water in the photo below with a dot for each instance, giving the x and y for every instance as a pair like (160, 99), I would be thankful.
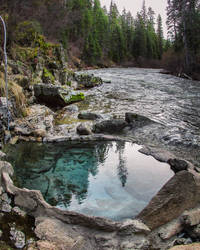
(173, 103)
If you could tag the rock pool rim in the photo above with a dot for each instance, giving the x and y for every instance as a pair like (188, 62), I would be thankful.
(33, 202)
(110, 179)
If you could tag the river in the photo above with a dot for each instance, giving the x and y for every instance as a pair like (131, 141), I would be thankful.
(173, 103)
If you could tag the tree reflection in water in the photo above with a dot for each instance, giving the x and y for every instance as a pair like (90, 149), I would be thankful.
(122, 169)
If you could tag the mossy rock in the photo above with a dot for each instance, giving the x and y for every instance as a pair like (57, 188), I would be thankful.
(55, 96)
(72, 96)
(47, 76)
(88, 81)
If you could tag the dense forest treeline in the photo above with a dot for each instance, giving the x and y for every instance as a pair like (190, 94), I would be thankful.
(92, 35)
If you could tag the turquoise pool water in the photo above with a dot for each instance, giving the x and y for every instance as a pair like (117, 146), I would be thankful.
(109, 179)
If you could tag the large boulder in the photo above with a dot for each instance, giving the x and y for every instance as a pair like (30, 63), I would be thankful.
(177, 195)
(113, 126)
(55, 96)
(87, 81)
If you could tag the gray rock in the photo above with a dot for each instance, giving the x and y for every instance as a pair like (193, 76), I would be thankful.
(138, 244)
(18, 237)
(178, 165)
(133, 226)
(83, 130)
(191, 218)
(54, 231)
(110, 126)
(158, 153)
(89, 116)
(2, 154)
(22, 131)
(18, 211)
(136, 120)
(182, 241)
(87, 81)
(107, 240)
(4, 197)
(5, 207)
(71, 108)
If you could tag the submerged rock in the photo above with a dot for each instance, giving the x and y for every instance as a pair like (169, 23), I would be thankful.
(55, 96)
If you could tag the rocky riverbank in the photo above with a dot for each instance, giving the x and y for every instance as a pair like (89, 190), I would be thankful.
(171, 218)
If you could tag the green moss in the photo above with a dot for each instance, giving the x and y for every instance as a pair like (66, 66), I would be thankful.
(47, 76)
(72, 97)
(69, 83)
(67, 120)
(77, 97)
(25, 54)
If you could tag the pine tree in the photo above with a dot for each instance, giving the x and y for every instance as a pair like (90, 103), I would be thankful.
(160, 36)
(183, 16)
(139, 47)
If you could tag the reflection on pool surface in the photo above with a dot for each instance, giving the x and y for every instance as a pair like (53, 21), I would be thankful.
(110, 179)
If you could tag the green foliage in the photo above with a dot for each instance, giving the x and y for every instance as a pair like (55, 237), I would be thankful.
(26, 32)
(47, 76)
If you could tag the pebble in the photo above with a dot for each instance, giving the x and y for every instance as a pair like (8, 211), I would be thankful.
(18, 237)
(4, 197)
(5, 207)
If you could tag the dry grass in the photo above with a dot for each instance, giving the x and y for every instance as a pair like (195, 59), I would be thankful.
(14, 91)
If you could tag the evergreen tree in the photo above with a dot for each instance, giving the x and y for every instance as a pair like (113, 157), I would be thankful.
(183, 20)
(117, 48)
(160, 36)
(139, 40)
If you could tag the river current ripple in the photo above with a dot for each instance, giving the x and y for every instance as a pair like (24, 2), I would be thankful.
(172, 102)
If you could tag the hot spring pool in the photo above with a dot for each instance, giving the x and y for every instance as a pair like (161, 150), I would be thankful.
(109, 179)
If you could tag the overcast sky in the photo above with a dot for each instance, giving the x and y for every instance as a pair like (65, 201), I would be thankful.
(159, 6)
